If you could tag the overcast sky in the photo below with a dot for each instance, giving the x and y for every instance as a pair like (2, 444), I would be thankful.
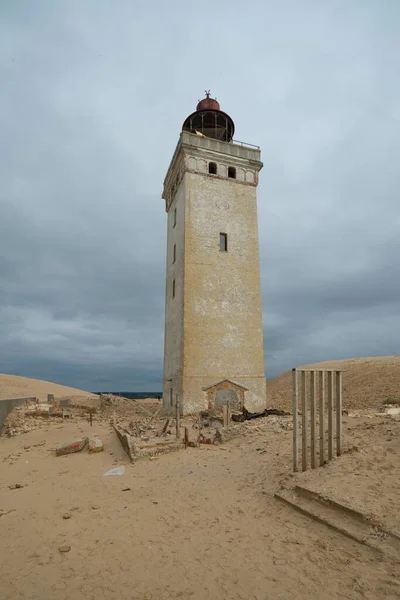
(93, 97)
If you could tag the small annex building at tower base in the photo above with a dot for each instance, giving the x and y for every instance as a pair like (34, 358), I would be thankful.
(202, 394)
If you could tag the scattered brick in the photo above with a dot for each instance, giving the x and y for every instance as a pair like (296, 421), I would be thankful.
(73, 446)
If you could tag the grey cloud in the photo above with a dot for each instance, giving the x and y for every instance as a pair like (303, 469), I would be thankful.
(94, 100)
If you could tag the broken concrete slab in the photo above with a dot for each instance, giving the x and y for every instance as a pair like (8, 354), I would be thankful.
(73, 446)
(126, 441)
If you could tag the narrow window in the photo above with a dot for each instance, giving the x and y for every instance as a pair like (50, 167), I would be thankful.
(174, 254)
(171, 396)
(212, 168)
(173, 288)
(174, 217)
(223, 242)
(232, 172)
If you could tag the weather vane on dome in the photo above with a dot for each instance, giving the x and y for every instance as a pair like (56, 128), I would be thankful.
(207, 93)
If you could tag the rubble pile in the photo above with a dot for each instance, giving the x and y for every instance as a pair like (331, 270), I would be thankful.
(150, 434)
(41, 415)
(24, 419)
(141, 425)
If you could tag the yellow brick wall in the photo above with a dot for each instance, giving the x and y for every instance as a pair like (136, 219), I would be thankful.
(216, 315)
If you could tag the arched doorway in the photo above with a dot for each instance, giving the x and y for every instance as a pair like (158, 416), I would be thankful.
(225, 392)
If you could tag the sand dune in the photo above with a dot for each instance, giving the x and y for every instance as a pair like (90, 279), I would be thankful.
(367, 382)
(13, 386)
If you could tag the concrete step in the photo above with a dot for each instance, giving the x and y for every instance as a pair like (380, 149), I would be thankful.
(342, 519)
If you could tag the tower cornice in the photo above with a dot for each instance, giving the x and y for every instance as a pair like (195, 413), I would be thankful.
(193, 152)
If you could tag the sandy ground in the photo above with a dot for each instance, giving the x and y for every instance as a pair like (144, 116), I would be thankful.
(367, 382)
(198, 524)
(13, 386)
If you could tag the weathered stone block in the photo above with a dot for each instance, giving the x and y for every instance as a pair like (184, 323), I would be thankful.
(225, 435)
(95, 445)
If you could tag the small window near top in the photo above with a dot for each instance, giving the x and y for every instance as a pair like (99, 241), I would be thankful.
(212, 168)
(232, 172)
(223, 242)
(171, 396)
(173, 288)
(174, 254)
(174, 217)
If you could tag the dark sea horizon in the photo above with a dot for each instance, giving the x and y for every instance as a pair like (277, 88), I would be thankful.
(133, 395)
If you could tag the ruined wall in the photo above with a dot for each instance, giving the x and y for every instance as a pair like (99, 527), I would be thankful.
(6, 406)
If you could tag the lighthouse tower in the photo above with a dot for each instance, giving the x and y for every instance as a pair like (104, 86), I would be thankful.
(213, 351)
